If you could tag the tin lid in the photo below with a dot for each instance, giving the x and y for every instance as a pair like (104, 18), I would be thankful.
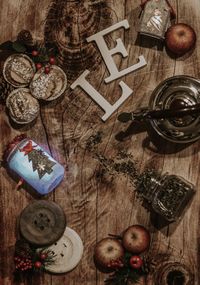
(23, 107)
(12, 145)
(42, 223)
(175, 273)
(18, 70)
(68, 251)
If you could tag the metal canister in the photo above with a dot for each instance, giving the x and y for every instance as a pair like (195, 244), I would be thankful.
(155, 18)
(34, 165)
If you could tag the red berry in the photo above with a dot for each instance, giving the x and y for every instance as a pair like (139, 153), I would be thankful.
(37, 264)
(47, 70)
(35, 53)
(136, 262)
(38, 66)
(43, 256)
(52, 60)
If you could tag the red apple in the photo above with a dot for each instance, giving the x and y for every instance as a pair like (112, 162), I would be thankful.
(108, 252)
(136, 262)
(136, 239)
(180, 38)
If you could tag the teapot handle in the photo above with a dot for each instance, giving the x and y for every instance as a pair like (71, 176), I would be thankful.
(146, 114)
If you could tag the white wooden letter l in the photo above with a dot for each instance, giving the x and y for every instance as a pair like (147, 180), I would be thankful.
(98, 98)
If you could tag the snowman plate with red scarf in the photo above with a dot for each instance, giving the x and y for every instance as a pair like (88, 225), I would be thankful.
(68, 251)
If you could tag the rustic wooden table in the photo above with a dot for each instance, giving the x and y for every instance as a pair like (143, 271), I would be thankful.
(97, 204)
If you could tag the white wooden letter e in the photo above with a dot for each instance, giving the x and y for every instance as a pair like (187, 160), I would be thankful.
(114, 72)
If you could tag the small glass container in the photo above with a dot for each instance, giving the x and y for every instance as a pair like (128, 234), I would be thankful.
(168, 194)
(155, 18)
(34, 165)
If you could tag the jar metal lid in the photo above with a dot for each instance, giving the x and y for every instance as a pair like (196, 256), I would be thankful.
(11, 146)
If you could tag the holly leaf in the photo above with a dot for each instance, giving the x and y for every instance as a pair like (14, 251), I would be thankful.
(52, 48)
(52, 45)
(41, 58)
(6, 45)
(19, 47)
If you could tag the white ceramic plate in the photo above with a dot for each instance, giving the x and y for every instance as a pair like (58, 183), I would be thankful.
(68, 250)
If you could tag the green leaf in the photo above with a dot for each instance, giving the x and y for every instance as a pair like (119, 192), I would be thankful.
(52, 49)
(19, 47)
(41, 58)
(6, 45)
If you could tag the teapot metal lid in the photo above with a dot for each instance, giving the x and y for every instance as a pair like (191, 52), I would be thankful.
(176, 92)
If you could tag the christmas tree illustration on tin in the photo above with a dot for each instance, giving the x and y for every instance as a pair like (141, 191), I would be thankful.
(40, 161)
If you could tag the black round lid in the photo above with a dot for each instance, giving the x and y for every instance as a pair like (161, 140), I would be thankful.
(172, 93)
(42, 223)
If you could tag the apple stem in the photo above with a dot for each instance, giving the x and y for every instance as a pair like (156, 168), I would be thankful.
(115, 236)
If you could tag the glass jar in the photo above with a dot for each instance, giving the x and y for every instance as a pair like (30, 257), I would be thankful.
(33, 164)
(168, 194)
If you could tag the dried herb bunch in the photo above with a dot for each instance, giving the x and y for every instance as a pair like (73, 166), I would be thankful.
(122, 164)
(93, 141)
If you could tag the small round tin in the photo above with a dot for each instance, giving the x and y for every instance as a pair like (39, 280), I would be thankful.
(18, 70)
(174, 273)
(23, 107)
(42, 222)
(49, 86)
(182, 89)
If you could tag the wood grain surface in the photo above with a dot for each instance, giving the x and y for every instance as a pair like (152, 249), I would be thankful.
(94, 205)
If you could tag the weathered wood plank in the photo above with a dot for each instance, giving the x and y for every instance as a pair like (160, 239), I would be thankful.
(96, 206)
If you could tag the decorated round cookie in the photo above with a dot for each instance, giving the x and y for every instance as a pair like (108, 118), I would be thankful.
(18, 70)
(68, 251)
(48, 86)
(23, 107)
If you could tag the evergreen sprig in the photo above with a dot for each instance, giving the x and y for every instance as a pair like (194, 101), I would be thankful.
(26, 253)
(125, 275)
(45, 49)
